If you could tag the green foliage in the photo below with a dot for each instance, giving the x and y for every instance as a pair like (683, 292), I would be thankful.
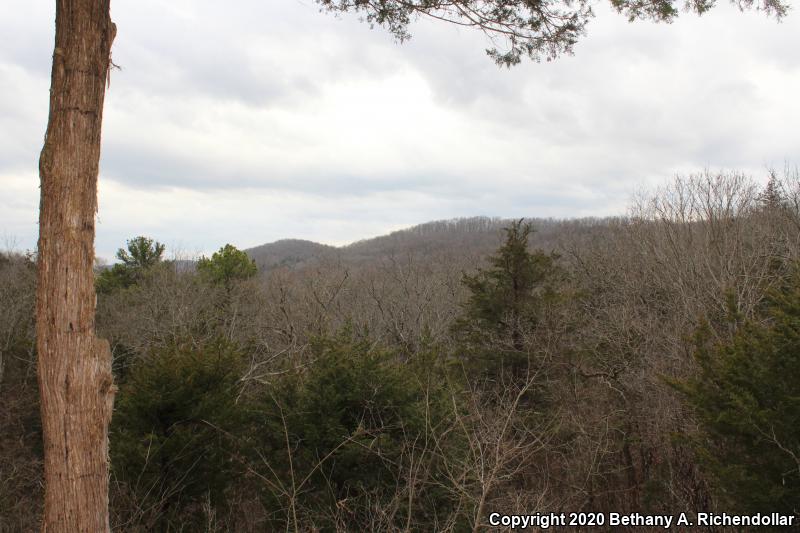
(747, 399)
(226, 266)
(544, 29)
(172, 435)
(507, 302)
(342, 431)
(116, 277)
(142, 255)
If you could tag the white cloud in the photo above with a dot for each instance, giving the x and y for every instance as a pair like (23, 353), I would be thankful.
(271, 120)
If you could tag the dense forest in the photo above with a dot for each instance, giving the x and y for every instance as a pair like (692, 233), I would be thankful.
(419, 381)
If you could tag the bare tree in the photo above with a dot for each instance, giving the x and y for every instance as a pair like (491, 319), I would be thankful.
(20, 464)
(74, 365)
(504, 440)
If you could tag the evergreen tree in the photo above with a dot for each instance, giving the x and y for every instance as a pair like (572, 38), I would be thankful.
(142, 255)
(773, 196)
(173, 435)
(507, 302)
(747, 399)
(226, 266)
(342, 431)
(68, 168)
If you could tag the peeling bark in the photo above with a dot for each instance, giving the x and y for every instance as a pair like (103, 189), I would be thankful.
(74, 367)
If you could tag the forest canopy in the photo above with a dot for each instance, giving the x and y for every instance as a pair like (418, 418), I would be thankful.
(418, 380)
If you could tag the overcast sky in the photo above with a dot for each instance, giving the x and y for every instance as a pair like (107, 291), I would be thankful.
(255, 120)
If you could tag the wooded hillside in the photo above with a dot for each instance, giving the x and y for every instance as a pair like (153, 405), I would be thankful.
(421, 380)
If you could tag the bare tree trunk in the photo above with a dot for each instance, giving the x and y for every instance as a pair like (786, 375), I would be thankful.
(75, 380)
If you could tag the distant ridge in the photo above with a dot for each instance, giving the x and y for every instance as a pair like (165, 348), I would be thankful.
(478, 234)
(291, 253)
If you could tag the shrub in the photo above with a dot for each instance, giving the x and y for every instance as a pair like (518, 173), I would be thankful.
(747, 399)
(342, 431)
(174, 431)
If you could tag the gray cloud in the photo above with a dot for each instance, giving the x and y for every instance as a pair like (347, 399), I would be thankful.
(271, 120)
